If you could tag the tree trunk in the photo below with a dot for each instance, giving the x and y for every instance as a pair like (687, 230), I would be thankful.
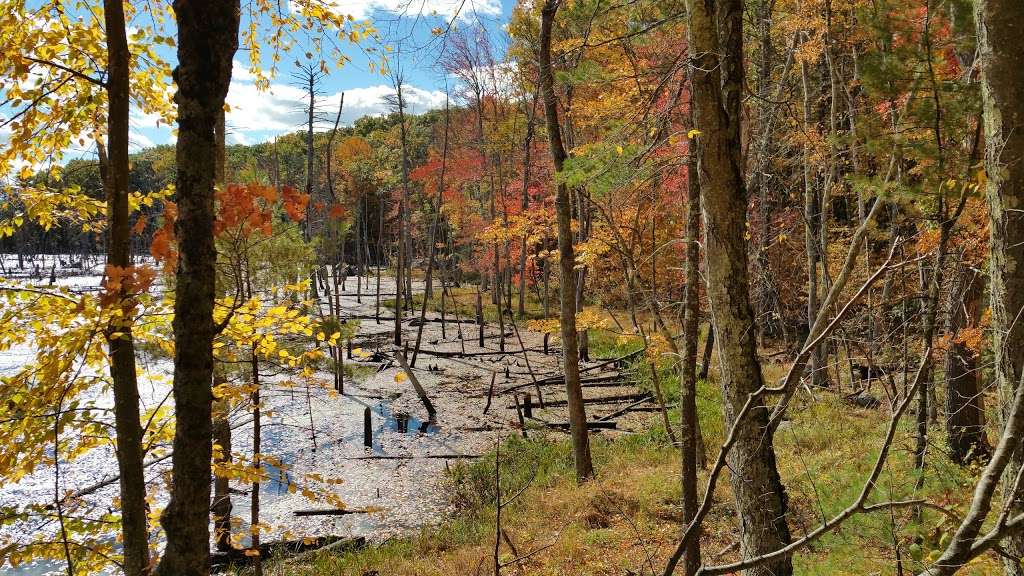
(965, 409)
(566, 258)
(134, 528)
(812, 215)
(221, 507)
(403, 228)
(717, 78)
(207, 40)
(1000, 23)
(689, 446)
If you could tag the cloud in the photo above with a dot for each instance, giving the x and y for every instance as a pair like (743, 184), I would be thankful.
(257, 115)
(138, 141)
(363, 9)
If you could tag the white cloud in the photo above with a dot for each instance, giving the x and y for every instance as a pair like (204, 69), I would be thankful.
(363, 9)
(138, 141)
(241, 72)
(255, 114)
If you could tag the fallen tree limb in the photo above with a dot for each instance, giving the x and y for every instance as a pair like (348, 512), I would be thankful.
(328, 512)
(592, 425)
(221, 561)
(400, 356)
(412, 457)
(625, 409)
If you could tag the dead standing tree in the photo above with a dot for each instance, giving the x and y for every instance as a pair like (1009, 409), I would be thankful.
(308, 77)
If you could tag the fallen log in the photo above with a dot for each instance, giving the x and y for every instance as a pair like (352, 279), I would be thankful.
(412, 457)
(593, 380)
(593, 425)
(400, 356)
(458, 354)
(616, 398)
(328, 512)
(625, 409)
(221, 561)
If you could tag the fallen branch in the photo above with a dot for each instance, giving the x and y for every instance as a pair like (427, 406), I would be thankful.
(400, 356)
(328, 512)
(625, 409)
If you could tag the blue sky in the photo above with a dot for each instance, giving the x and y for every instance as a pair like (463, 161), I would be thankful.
(258, 116)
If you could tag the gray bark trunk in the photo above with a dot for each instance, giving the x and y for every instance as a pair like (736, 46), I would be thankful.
(716, 46)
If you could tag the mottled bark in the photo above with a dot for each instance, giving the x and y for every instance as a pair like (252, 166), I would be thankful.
(207, 40)
(1000, 25)
(716, 46)
(690, 448)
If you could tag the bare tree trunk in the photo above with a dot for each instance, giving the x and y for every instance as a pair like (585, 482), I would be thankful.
(257, 434)
(691, 451)
(221, 507)
(965, 409)
(812, 215)
(527, 142)
(999, 27)
(128, 426)
(566, 259)
(433, 243)
(207, 40)
(403, 217)
(716, 48)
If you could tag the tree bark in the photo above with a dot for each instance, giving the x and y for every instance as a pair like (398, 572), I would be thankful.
(566, 257)
(690, 429)
(716, 46)
(207, 40)
(134, 528)
(1000, 23)
(965, 409)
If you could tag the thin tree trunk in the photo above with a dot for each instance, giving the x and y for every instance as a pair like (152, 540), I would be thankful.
(690, 449)
(403, 239)
(134, 529)
(812, 216)
(207, 40)
(566, 260)
(254, 502)
(221, 507)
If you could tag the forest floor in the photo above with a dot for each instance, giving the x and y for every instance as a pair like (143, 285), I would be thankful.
(628, 520)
